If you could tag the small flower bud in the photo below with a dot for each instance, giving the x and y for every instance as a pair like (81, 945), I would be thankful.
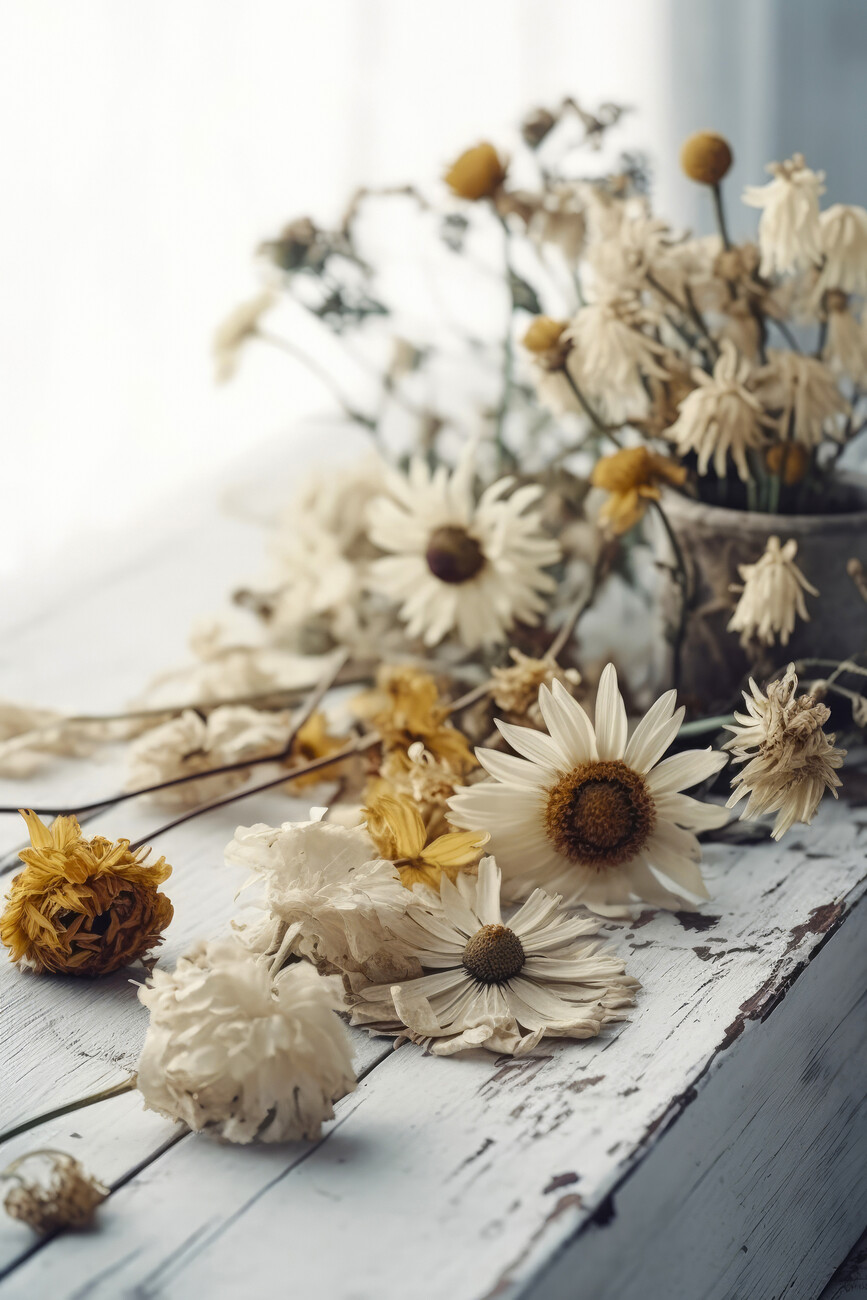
(477, 174)
(706, 157)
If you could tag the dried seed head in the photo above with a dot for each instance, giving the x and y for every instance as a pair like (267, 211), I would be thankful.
(706, 157)
(493, 955)
(453, 555)
(600, 814)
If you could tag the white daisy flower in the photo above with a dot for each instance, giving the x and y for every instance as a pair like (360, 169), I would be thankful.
(611, 356)
(722, 417)
(805, 392)
(790, 236)
(240, 1051)
(590, 813)
(238, 327)
(494, 985)
(844, 244)
(772, 596)
(457, 565)
(790, 760)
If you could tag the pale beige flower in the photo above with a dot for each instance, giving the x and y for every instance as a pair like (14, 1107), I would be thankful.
(238, 1050)
(51, 1191)
(516, 687)
(722, 417)
(611, 355)
(237, 329)
(844, 245)
(29, 736)
(328, 896)
(790, 760)
(427, 778)
(559, 220)
(845, 350)
(458, 565)
(590, 814)
(499, 986)
(805, 392)
(772, 596)
(790, 236)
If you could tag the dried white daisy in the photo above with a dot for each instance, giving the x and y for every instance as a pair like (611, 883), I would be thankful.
(237, 1050)
(790, 236)
(845, 350)
(790, 760)
(190, 743)
(457, 565)
(328, 896)
(52, 1190)
(844, 245)
(589, 813)
(611, 356)
(238, 327)
(805, 392)
(772, 596)
(494, 985)
(722, 417)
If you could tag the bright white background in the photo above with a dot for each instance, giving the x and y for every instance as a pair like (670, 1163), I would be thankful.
(148, 145)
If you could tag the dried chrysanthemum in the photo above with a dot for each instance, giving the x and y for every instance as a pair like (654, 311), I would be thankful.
(845, 350)
(404, 708)
(502, 986)
(772, 596)
(51, 1191)
(29, 735)
(328, 896)
(397, 829)
(722, 417)
(428, 780)
(239, 326)
(790, 236)
(590, 814)
(477, 174)
(632, 478)
(236, 1049)
(82, 907)
(515, 688)
(314, 741)
(844, 245)
(706, 157)
(804, 391)
(612, 357)
(790, 760)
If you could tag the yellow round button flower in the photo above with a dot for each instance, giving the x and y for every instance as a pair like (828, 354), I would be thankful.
(477, 174)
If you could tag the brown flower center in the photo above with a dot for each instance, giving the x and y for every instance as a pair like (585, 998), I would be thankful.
(453, 556)
(493, 955)
(600, 814)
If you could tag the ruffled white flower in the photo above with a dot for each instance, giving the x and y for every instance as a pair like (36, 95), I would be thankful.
(845, 350)
(457, 565)
(241, 1052)
(589, 813)
(844, 245)
(238, 327)
(772, 596)
(328, 897)
(790, 236)
(611, 355)
(722, 417)
(28, 736)
(805, 392)
(790, 760)
(189, 744)
(494, 985)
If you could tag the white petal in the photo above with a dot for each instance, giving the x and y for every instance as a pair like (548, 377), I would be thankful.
(568, 724)
(643, 749)
(683, 770)
(611, 723)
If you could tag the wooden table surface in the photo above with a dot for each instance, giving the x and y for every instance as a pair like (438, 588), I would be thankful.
(713, 1147)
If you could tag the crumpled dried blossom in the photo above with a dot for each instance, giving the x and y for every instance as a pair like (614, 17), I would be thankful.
(772, 596)
(499, 986)
(397, 829)
(28, 736)
(612, 356)
(404, 708)
(722, 417)
(632, 478)
(844, 245)
(328, 896)
(237, 1050)
(82, 907)
(845, 350)
(515, 688)
(315, 741)
(805, 392)
(790, 236)
(790, 760)
(60, 1194)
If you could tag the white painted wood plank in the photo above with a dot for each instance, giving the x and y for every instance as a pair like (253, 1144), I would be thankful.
(467, 1175)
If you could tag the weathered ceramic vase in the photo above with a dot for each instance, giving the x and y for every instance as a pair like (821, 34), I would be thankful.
(715, 540)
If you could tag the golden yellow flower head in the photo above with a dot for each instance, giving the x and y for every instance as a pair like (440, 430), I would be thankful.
(790, 460)
(477, 174)
(544, 334)
(405, 707)
(632, 477)
(706, 157)
(314, 741)
(82, 907)
(395, 825)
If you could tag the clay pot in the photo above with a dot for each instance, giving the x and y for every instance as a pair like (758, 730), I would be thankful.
(715, 540)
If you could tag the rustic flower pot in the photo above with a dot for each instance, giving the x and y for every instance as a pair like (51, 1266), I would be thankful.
(715, 540)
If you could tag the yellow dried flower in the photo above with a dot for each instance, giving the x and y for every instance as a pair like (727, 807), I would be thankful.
(632, 476)
(82, 907)
(64, 1198)
(543, 334)
(516, 687)
(706, 157)
(477, 174)
(405, 707)
(396, 828)
(313, 742)
(789, 459)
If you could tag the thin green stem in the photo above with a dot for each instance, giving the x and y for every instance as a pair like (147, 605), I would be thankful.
(588, 410)
(321, 374)
(106, 1094)
(719, 213)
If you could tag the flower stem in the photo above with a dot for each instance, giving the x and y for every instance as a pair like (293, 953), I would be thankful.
(719, 213)
(683, 584)
(321, 374)
(508, 350)
(592, 415)
(106, 1094)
